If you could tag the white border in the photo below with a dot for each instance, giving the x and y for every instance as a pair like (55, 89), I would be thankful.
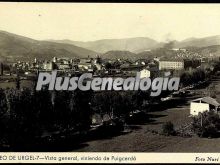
(100, 157)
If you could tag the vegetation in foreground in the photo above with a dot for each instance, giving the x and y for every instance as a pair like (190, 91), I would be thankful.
(28, 116)
(207, 124)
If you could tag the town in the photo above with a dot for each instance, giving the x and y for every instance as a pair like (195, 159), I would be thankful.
(117, 78)
(151, 67)
(109, 116)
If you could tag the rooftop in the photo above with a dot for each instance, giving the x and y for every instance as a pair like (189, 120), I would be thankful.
(207, 100)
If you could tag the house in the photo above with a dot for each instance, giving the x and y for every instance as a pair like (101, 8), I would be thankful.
(203, 104)
(85, 64)
(48, 65)
(142, 62)
(144, 73)
(64, 66)
(178, 49)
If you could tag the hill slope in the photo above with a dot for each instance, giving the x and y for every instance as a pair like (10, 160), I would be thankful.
(199, 42)
(14, 47)
(135, 45)
(118, 55)
(140, 44)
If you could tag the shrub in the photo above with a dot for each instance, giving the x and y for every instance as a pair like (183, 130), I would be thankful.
(168, 129)
(207, 124)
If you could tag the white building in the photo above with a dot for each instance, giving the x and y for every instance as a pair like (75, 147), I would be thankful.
(54, 59)
(171, 64)
(48, 65)
(64, 66)
(201, 105)
(144, 73)
(35, 60)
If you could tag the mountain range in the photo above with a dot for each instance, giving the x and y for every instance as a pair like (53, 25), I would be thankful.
(141, 44)
(15, 47)
(135, 45)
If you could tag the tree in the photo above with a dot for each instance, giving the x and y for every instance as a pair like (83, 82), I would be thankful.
(3, 113)
(186, 79)
(108, 65)
(168, 129)
(207, 124)
(81, 105)
(3, 103)
(17, 80)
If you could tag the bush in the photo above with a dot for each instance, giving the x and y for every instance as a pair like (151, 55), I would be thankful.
(168, 129)
(207, 124)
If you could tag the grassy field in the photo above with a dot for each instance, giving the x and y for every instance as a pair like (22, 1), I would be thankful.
(12, 84)
(142, 139)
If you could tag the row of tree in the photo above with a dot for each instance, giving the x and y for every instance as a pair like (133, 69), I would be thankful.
(193, 77)
(27, 114)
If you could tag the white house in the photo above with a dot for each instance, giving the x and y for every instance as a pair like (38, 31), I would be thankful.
(48, 65)
(144, 73)
(201, 105)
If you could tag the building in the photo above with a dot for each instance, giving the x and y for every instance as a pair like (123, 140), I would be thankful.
(142, 62)
(178, 49)
(35, 60)
(55, 59)
(64, 66)
(144, 73)
(132, 70)
(85, 66)
(48, 65)
(170, 64)
(201, 105)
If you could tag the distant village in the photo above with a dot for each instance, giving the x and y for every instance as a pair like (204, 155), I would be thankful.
(112, 112)
(153, 67)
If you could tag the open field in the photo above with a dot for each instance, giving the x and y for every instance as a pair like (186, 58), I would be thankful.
(12, 84)
(142, 139)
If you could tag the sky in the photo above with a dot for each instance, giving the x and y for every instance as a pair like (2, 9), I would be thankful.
(94, 21)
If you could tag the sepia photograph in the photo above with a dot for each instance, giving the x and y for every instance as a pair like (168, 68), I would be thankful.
(110, 77)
